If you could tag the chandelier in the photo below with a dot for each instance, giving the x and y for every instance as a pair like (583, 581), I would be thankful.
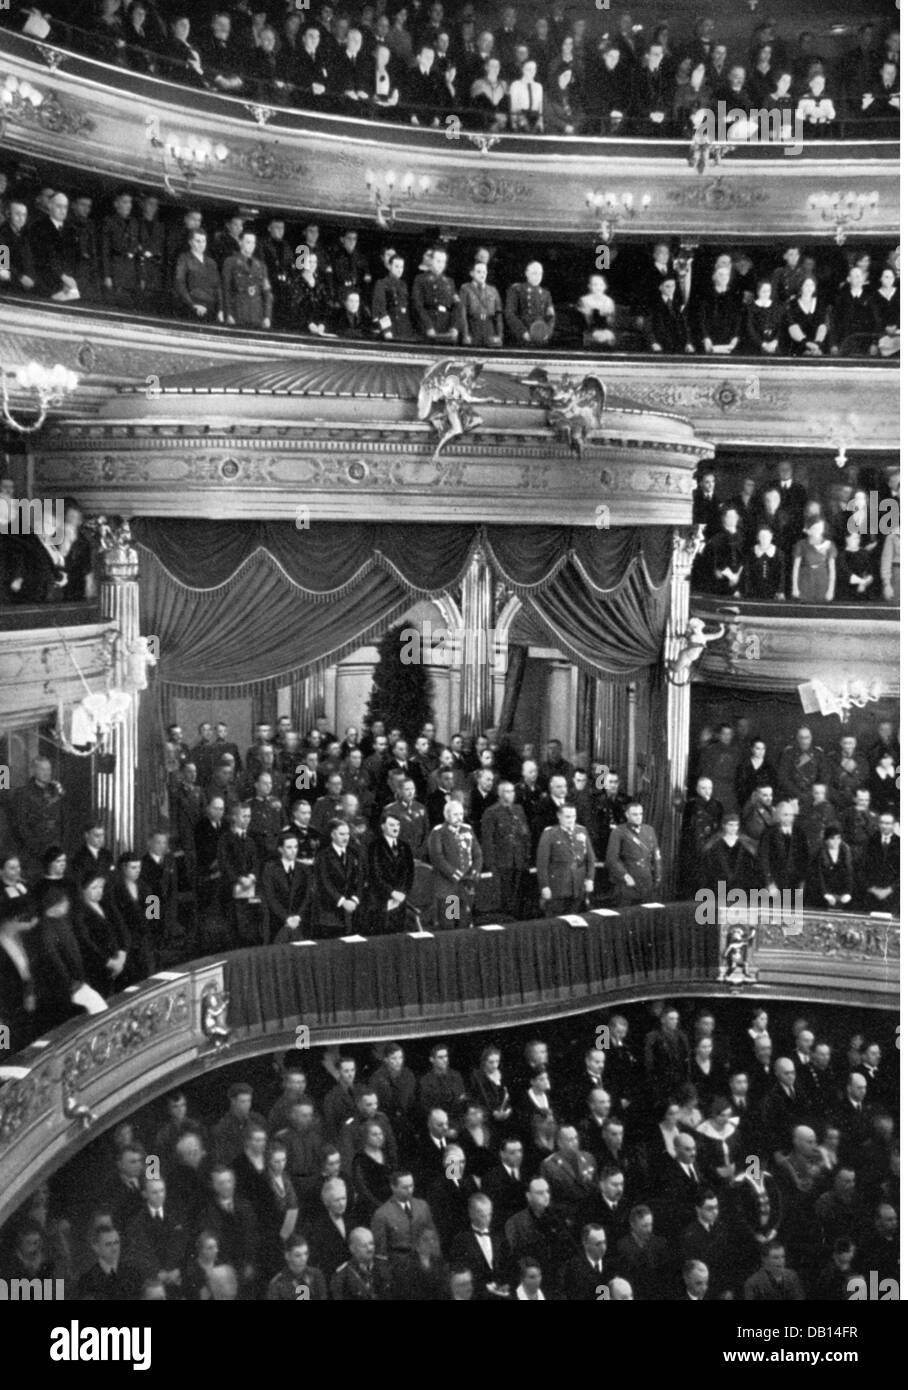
(49, 385)
(843, 210)
(819, 698)
(610, 209)
(17, 98)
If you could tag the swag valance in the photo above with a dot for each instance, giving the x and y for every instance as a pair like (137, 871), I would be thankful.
(243, 607)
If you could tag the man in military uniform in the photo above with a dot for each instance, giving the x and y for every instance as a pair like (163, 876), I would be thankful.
(633, 860)
(529, 793)
(505, 834)
(435, 300)
(266, 816)
(84, 252)
(456, 857)
(150, 257)
(330, 806)
(757, 815)
(119, 250)
(38, 819)
(529, 311)
(226, 242)
(800, 765)
(702, 823)
(480, 318)
(848, 770)
(349, 269)
(278, 258)
(248, 298)
(414, 822)
(391, 303)
(565, 864)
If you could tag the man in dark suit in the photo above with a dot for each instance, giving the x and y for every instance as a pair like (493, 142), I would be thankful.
(607, 1206)
(449, 1194)
(482, 1249)
(391, 870)
(679, 1185)
(782, 855)
(329, 1231)
(539, 1233)
(707, 1240)
(232, 1220)
(782, 1109)
(528, 794)
(853, 1118)
(565, 865)
(238, 865)
(338, 884)
(728, 861)
(584, 1278)
(880, 868)
(505, 835)
(93, 856)
(482, 797)
(109, 1278)
(505, 1183)
(285, 889)
(643, 1257)
(157, 1237)
(702, 823)
(207, 837)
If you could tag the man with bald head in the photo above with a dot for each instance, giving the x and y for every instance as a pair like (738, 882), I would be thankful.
(365, 1277)
(782, 1108)
(620, 1291)
(539, 1232)
(679, 1186)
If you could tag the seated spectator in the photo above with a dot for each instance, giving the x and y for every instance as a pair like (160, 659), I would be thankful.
(598, 311)
(763, 321)
(17, 269)
(692, 95)
(881, 101)
(383, 87)
(651, 91)
(854, 324)
(667, 326)
(562, 113)
(608, 96)
(525, 99)
(222, 59)
(723, 558)
(830, 881)
(180, 60)
(427, 92)
(529, 311)
(855, 574)
(815, 107)
(197, 282)
(489, 94)
(717, 315)
(351, 319)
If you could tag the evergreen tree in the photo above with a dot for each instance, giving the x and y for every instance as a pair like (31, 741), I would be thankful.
(401, 690)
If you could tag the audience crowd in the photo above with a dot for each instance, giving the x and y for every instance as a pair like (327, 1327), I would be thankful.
(553, 69)
(768, 536)
(659, 1158)
(266, 275)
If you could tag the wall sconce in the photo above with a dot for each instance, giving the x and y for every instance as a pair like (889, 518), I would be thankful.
(610, 209)
(190, 153)
(388, 190)
(50, 386)
(844, 210)
(818, 698)
(17, 98)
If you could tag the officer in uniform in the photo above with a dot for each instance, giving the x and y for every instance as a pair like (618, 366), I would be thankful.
(480, 320)
(248, 298)
(119, 251)
(633, 860)
(265, 821)
(38, 817)
(565, 864)
(506, 848)
(435, 300)
(702, 823)
(456, 857)
(414, 822)
(391, 303)
(150, 257)
(278, 258)
(349, 269)
(529, 311)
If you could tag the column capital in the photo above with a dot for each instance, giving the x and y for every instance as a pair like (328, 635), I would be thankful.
(115, 551)
(686, 546)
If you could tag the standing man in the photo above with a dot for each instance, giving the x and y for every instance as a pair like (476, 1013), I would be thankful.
(391, 303)
(505, 834)
(480, 316)
(119, 252)
(565, 865)
(391, 873)
(529, 311)
(338, 883)
(633, 860)
(38, 816)
(248, 297)
(285, 889)
(456, 857)
(435, 300)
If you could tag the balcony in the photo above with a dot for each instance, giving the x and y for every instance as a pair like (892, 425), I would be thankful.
(47, 656)
(104, 120)
(91, 1073)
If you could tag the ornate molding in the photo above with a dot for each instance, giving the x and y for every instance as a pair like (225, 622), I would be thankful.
(37, 673)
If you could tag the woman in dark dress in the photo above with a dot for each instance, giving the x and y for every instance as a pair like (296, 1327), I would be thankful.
(54, 876)
(128, 905)
(371, 1181)
(18, 994)
(764, 567)
(281, 1213)
(806, 322)
(100, 937)
(487, 1086)
(59, 967)
(763, 321)
(830, 880)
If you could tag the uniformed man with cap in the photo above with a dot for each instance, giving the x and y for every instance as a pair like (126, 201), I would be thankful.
(565, 864)
(633, 860)
(505, 834)
(435, 300)
(529, 311)
(391, 303)
(248, 298)
(480, 318)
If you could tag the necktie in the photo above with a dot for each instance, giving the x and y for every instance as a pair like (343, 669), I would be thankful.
(408, 1211)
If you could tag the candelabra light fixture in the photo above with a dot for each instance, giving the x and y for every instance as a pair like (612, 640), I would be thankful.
(49, 385)
(819, 698)
(17, 98)
(610, 209)
(844, 210)
(192, 154)
(389, 190)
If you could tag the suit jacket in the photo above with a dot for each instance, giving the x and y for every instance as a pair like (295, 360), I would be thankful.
(336, 879)
(327, 1247)
(237, 1232)
(389, 871)
(508, 1194)
(732, 865)
(237, 857)
(414, 825)
(285, 896)
(565, 861)
(581, 1282)
(526, 305)
(881, 869)
(466, 1253)
(783, 859)
(207, 838)
(156, 1243)
(780, 1113)
(634, 852)
(760, 1288)
(85, 862)
(449, 1205)
(396, 1233)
